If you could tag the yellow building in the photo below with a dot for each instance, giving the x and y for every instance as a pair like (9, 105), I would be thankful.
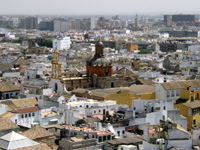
(191, 111)
(189, 105)
(188, 95)
(145, 92)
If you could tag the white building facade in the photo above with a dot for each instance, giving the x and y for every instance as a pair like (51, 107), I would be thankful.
(61, 43)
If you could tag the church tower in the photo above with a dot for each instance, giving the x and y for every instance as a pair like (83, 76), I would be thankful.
(99, 64)
(56, 65)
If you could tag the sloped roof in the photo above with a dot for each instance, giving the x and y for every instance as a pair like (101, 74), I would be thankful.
(8, 86)
(142, 89)
(37, 132)
(28, 110)
(41, 146)
(5, 66)
(19, 103)
(22, 70)
(20, 61)
(192, 105)
(146, 81)
(126, 72)
(180, 84)
(6, 123)
(129, 140)
(14, 140)
(79, 90)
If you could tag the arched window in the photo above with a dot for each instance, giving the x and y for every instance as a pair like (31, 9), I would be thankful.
(118, 132)
(112, 85)
(107, 73)
(56, 88)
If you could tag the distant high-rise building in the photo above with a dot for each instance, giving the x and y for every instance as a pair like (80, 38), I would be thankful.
(103, 23)
(80, 24)
(183, 18)
(136, 21)
(168, 20)
(61, 25)
(47, 25)
(29, 23)
(179, 18)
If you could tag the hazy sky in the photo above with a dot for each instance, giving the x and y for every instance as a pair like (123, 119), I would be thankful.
(84, 7)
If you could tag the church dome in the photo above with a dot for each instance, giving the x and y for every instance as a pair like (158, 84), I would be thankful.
(96, 61)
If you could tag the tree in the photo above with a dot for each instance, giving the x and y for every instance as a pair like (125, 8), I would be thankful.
(4, 40)
(145, 52)
(86, 36)
(16, 41)
(47, 43)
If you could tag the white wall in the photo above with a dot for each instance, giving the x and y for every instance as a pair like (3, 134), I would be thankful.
(59, 85)
(61, 43)
(3, 108)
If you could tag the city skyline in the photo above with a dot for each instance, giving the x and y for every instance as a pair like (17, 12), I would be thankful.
(89, 7)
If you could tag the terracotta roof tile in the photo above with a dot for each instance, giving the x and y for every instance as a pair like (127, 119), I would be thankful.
(6, 123)
(37, 132)
(192, 105)
(19, 103)
(180, 84)
(8, 86)
(28, 110)
(41, 146)
(142, 89)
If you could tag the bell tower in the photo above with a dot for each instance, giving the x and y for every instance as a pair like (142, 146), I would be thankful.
(56, 65)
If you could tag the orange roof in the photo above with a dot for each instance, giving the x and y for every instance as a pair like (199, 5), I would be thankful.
(87, 129)
(100, 116)
(28, 110)
(23, 69)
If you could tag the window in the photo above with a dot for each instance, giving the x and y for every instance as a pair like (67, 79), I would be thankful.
(112, 85)
(172, 94)
(22, 116)
(194, 122)
(177, 93)
(164, 108)
(163, 117)
(99, 111)
(167, 95)
(29, 114)
(26, 115)
(118, 132)
(95, 112)
(123, 132)
(104, 138)
(100, 139)
(33, 114)
(108, 137)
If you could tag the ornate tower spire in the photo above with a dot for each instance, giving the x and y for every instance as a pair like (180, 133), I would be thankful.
(56, 65)
(99, 48)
